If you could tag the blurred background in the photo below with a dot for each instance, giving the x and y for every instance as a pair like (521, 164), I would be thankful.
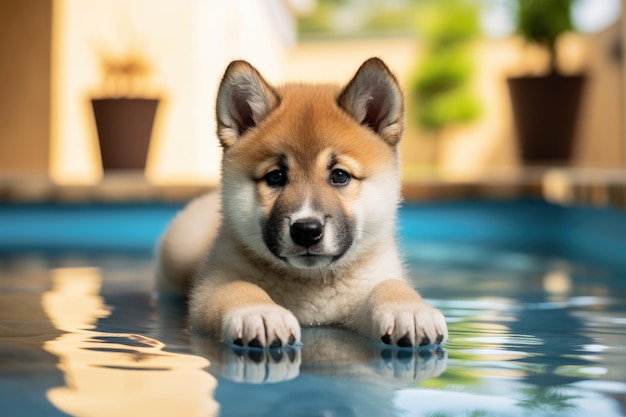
(495, 89)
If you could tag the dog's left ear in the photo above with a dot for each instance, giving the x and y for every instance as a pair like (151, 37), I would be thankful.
(374, 98)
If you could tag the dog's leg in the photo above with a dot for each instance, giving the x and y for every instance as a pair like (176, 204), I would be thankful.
(397, 315)
(242, 313)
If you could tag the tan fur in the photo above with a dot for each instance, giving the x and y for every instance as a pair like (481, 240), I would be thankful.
(257, 281)
(189, 237)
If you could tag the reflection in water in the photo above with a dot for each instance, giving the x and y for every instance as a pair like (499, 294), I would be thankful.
(524, 339)
(557, 283)
(325, 351)
(533, 338)
(117, 374)
(335, 373)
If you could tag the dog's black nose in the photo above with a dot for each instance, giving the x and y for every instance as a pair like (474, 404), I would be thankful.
(307, 232)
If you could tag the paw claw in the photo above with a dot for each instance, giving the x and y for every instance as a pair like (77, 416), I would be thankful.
(255, 343)
(425, 341)
(405, 341)
(386, 339)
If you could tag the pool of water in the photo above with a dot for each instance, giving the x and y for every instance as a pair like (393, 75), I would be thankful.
(534, 294)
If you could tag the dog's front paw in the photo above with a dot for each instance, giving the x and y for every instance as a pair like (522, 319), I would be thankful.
(409, 324)
(262, 326)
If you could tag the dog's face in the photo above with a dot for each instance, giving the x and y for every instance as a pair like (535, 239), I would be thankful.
(310, 172)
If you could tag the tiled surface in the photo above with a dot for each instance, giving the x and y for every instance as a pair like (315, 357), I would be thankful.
(130, 187)
(558, 185)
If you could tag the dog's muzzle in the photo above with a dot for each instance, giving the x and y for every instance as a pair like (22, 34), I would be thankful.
(308, 242)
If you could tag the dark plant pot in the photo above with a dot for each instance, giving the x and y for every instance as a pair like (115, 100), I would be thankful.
(545, 112)
(124, 128)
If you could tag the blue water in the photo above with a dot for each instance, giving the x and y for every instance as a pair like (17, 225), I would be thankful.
(534, 294)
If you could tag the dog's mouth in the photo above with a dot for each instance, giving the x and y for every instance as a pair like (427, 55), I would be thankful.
(303, 258)
(310, 261)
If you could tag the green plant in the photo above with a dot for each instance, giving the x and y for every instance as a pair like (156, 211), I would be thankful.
(350, 18)
(542, 22)
(440, 90)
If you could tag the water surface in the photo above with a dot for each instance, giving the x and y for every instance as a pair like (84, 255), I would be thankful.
(534, 331)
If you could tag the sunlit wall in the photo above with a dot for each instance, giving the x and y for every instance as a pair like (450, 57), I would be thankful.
(187, 44)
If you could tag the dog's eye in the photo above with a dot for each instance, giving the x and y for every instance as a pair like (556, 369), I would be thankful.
(339, 177)
(276, 178)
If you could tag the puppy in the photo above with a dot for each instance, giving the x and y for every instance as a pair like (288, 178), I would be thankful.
(303, 230)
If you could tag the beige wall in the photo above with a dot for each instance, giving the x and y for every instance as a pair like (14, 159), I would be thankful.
(601, 137)
(25, 27)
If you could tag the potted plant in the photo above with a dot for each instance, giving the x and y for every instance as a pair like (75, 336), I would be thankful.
(545, 108)
(441, 86)
(124, 115)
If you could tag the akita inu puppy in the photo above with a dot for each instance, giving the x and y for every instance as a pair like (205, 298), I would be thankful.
(302, 232)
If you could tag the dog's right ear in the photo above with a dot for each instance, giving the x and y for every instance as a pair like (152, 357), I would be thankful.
(374, 99)
(244, 99)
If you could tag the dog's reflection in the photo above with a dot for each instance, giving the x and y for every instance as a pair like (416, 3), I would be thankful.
(325, 351)
(251, 365)
(335, 373)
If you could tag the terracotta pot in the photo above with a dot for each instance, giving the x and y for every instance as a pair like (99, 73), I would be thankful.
(124, 128)
(545, 112)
